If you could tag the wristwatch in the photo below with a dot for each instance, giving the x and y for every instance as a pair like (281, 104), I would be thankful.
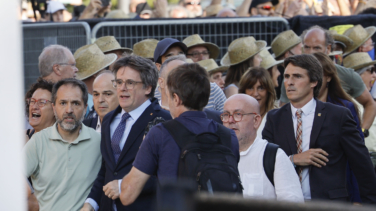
(365, 132)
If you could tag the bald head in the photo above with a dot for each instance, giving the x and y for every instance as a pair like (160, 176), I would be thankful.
(316, 40)
(244, 100)
(170, 64)
(226, 12)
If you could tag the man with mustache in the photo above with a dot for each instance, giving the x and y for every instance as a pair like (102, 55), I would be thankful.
(319, 138)
(63, 160)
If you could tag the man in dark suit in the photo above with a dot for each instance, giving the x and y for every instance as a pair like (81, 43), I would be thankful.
(318, 137)
(122, 134)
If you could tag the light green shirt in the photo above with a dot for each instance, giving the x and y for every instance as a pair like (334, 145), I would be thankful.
(62, 173)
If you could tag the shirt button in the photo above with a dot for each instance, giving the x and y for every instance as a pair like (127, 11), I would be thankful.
(115, 173)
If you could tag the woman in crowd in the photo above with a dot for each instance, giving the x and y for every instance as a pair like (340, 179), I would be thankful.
(39, 106)
(257, 83)
(331, 91)
(242, 54)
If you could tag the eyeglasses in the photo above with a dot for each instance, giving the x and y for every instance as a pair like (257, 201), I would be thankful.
(371, 70)
(192, 3)
(266, 7)
(197, 54)
(225, 117)
(129, 84)
(40, 102)
(72, 65)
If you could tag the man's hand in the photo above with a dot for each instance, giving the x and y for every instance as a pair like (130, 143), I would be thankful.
(87, 207)
(316, 157)
(111, 190)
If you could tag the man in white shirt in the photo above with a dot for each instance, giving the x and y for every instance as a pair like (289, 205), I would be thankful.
(241, 114)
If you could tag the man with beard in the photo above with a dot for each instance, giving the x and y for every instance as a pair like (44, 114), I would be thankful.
(63, 160)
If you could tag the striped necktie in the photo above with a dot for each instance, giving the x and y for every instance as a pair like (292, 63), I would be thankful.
(299, 138)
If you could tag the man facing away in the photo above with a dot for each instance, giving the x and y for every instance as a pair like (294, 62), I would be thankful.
(63, 160)
(242, 115)
(320, 138)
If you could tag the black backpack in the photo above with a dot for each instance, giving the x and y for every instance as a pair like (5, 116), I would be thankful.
(269, 160)
(207, 158)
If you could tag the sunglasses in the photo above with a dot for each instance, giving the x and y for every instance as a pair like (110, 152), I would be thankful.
(371, 70)
(266, 7)
(192, 3)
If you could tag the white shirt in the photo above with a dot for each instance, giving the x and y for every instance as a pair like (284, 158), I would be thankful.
(307, 122)
(255, 182)
(99, 126)
(262, 125)
(134, 115)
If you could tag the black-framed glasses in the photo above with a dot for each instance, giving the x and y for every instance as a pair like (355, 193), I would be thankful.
(40, 102)
(371, 70)
(197, 54)
(225, 117)
(72, 65)
(129, 84)
(192, 3)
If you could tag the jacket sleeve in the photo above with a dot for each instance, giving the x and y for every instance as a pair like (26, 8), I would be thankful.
(358, 158)
(97, 189)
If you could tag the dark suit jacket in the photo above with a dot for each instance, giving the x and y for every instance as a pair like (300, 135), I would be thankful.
(114, 171)
(91, 122)
(334, 130)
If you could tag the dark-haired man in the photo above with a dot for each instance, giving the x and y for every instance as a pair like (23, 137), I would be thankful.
(319, 137)
(262, 7)
(61, 175)
(188, 90)
(122, 133)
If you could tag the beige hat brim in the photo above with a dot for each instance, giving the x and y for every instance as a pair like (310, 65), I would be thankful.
(225, 61)
(343, 39)
(213, 49)
(370, 30)
(128, 50)
(218, 69)
(287, 49)
(363, 65)
(335, 53)
(108, 60)
(274, 64)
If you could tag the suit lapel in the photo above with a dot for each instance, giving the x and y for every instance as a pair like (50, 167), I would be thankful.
(289, 126)
(108, 134)
(138, 128)
(318, 120)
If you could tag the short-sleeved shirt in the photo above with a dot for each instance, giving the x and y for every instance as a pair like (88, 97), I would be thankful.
(159, 153)
(351, 82)
(62, 173)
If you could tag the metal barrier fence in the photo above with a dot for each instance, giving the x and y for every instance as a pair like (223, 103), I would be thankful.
(221, 31)
(39, 35)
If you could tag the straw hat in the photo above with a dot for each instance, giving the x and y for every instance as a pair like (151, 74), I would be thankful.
(359, 36)
(145, 48)
(187, 60)
(341, 39)
(109, 43)
(267, 60)
(335, 53)
(284, 42)
(358, 60)
(242, 49)
(195, 40)
(90, 60)
(212, 10)
(211, 66)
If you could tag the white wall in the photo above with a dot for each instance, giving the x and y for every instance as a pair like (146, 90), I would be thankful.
(12, 138)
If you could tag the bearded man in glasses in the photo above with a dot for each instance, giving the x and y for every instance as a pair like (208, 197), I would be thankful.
(262, 7)
(122, 133)
(193, 6)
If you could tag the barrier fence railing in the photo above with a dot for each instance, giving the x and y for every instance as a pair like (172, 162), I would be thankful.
(221, 31)
(39, 35)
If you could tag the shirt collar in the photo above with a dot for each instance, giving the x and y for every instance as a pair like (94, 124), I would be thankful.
(83, 134)
(98, 123)
(136, 113)
(250, 147)
(307, 108)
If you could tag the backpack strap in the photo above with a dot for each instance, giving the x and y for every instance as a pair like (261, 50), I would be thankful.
(270, 154)
(179, 132)
(224, 135)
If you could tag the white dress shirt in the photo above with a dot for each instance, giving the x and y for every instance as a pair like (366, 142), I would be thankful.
(99, 126)
(255, 182)
(134, 115)
(307, 122)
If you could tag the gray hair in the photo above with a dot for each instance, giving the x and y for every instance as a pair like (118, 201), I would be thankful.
(177, 7)
(328, 37)
(362, 70)
(74, 83)
(145, 67)
(51, 55)
(180, 57)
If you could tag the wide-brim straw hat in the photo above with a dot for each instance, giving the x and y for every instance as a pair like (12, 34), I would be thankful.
(211, 66)
(90, 60)
(358, 60)
(242, 49)
(335, 53)
(109, 43)
(268, 60)
(359, 36)
(195, 40)
(145, 48)
(341, 39)
(284, 42)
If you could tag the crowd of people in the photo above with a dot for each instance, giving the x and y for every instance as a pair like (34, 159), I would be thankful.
(55, 11)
